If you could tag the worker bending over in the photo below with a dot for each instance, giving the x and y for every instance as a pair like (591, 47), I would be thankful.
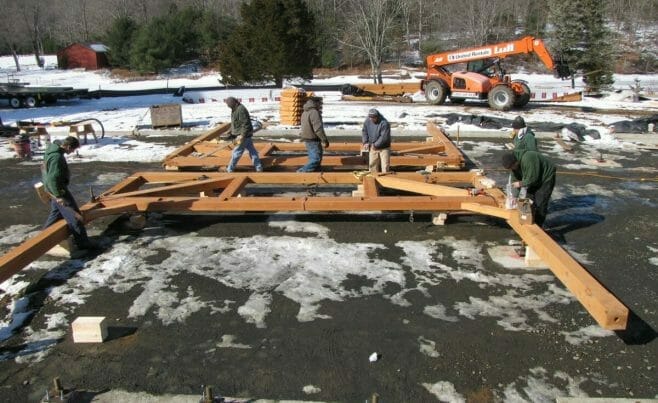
(535, 177)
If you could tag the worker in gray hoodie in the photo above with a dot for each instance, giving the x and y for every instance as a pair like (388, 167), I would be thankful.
(313, 136)
(376, 138)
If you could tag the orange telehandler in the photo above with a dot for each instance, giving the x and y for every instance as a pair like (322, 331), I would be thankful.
(484, 78)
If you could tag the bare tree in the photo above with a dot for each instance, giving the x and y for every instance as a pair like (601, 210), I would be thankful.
(480, 19)
(31, 11)
(369, 27)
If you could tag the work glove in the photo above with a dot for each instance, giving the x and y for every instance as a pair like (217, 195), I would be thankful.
(239, 140)
(523, 193)
(325, 144)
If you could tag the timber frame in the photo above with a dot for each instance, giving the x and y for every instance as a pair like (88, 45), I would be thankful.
(248, 192)
(210, 152)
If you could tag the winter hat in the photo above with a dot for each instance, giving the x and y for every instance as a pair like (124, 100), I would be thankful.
(373, 112)
(71, 141)
(508, 160)
(231, 102)
(518, 123)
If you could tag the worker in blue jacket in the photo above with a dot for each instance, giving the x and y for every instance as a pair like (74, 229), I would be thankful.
(376, 138)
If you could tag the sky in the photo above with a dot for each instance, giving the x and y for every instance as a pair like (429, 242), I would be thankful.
(264, 270)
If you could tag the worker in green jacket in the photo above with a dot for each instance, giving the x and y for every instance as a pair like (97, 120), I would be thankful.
(523, 136)
(56, 177)
(535, 177)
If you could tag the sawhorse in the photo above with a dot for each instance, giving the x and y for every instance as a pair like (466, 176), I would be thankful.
(83, 130)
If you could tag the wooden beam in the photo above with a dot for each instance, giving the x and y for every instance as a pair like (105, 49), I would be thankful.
(266, 150)
(425, 148)
(133, 182)
(22, 255)
(304, 178)
(489, 210)
(177, 189)
(429, 189)
(370, 187)
(389, 89)
(188, 148)
(440, 135)
(101, 210)
(292, 204)
(605, 308)
(234, 188)
(440, 152)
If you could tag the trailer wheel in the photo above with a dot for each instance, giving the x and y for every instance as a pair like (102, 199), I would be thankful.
(523, 98)
(15, 102)
(501, 98)
(436, 92)
(30, 102)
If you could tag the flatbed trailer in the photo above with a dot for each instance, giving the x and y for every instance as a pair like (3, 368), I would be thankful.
(22, 95)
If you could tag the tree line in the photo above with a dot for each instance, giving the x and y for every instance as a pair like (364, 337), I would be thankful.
(264, 40)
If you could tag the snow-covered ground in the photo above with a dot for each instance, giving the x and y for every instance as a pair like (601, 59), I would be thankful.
(124, 114)
(329, 262)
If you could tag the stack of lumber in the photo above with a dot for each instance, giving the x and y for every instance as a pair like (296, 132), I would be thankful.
(292, 105)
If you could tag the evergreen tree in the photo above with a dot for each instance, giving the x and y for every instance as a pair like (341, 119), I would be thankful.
(166, 41)
(151, 51)
(213, 29)
(274, 41)
(119, 38)
(583, 39)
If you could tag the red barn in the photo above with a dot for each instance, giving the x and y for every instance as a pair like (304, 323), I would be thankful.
(90, 57)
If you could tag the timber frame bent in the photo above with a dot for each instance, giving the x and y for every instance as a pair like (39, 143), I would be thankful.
(209, 152)
(422, 191)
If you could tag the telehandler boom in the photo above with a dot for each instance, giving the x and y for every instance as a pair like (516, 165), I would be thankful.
(479, 81)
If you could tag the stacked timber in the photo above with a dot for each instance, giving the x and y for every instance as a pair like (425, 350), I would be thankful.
(292, 105)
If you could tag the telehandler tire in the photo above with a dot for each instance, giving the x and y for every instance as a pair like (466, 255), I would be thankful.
(524, 98)
(501, 98)
(436, 92)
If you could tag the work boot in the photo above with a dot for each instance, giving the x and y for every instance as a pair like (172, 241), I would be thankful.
(86, 249)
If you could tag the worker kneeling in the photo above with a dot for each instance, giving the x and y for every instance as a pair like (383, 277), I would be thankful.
(535, 176)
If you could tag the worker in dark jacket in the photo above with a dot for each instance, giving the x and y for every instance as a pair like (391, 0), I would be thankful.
(56, 177)
(523, 136)
(241, 132)
(313, 136)
(535, 177)
(376, 138)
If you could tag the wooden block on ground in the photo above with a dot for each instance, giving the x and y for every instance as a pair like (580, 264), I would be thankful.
(63, 249)
(439, 218)
(565, 146)
(532, 259)
(89, 329)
